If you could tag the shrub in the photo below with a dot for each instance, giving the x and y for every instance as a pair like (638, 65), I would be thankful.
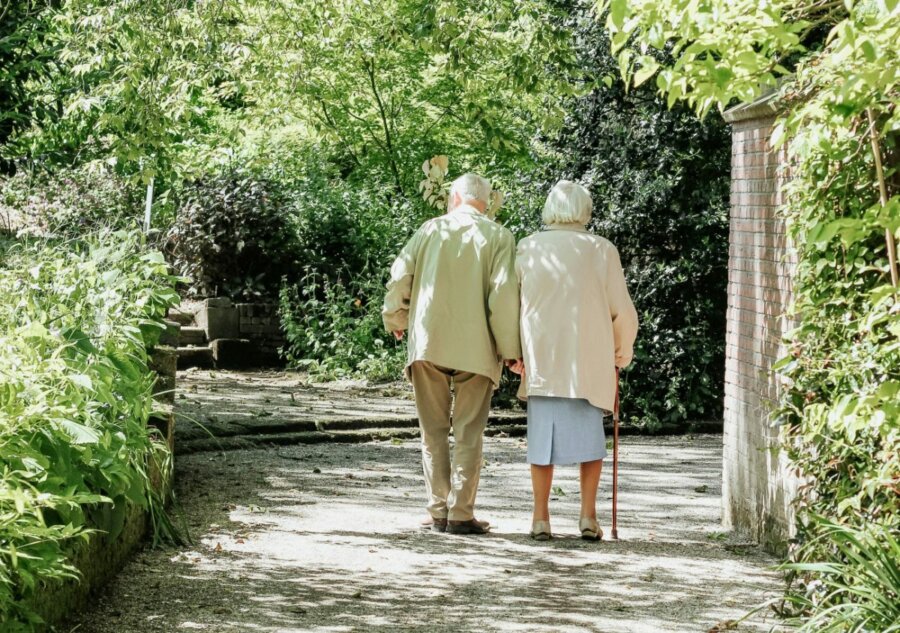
(335, 330)
(857, 590)
(75, 396)
(233, 236)
(69, 202)
(659, 180)
(838, 409)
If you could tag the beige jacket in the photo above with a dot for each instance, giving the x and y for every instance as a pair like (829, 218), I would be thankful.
(454, 288)
(578, 321)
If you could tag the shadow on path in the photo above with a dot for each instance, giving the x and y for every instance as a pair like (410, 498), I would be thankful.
(326, 538)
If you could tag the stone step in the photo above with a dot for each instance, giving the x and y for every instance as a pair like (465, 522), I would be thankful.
(195, 357)
(369, 434)
(192, 336)
(172, 334)
(181, 317)
(252, 426)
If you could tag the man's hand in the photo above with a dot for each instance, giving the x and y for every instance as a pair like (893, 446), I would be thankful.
(516, 366)
(398, 334)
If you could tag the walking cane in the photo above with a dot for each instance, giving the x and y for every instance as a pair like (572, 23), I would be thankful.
(615, 499)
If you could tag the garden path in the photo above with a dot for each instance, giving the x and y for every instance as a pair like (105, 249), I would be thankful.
(325, 538)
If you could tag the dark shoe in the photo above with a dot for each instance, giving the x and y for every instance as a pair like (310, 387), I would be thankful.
(472, 526)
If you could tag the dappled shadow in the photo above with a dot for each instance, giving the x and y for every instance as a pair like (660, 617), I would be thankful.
(325, 538)
(231, 403)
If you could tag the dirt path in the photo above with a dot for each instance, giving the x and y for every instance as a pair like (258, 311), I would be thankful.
(325, 538)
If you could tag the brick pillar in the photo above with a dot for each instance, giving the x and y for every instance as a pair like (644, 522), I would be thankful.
(756, 486)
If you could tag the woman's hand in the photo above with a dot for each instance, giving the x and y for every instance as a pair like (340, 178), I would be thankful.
(516, 366)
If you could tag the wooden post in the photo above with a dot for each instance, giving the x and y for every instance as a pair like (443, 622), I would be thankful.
(882, 194)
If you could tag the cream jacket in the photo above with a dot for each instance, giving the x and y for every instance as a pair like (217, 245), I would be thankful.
(578, 321)
(453, 287)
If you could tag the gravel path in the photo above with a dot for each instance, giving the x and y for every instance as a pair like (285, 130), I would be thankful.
(325, 538)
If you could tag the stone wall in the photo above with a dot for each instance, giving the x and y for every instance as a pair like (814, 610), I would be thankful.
(100, 557)
(241, 334)
(757, 488)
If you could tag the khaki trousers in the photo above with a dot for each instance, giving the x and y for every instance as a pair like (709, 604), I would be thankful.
(451, 486)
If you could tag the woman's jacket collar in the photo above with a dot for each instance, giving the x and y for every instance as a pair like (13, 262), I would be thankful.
(568, 226)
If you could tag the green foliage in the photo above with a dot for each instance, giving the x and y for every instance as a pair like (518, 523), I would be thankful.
(232, 236)
(69, 202)
(660, 181)
(724, 50)
(860, 592)
(335, 330)
(135, 83)
(391, 83)
(347, 237)
(24, 53)
(839, 409)
(75, 396)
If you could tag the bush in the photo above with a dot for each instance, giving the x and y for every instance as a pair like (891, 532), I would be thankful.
(859, 587)
(75, 397)
(660, 182)
(335, 330)
(233, 236)
(69, 202)
(347, 236)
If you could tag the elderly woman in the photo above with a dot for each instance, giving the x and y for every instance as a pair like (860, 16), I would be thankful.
(578, 326)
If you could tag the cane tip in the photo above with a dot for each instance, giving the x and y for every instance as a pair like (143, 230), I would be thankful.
(614, 535)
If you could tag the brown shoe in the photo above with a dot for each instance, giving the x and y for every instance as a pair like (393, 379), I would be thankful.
(472, 526)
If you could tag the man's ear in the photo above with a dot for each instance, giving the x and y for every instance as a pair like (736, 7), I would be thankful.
(455, 199)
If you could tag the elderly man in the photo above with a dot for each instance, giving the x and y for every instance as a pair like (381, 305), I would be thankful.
(454, 288)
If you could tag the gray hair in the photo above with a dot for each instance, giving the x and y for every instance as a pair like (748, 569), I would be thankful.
(567, 203)
(471, 187)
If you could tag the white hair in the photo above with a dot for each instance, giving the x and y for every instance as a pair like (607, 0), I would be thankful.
(567, 203)
(471, 187)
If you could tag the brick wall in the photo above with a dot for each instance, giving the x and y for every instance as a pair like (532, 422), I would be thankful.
(757, 487)
(260, 323)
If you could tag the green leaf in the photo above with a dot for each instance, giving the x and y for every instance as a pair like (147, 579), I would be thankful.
(82, 381)
(649, 66)
(79, 433)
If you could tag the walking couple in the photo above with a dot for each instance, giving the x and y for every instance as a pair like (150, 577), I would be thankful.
(555, 310)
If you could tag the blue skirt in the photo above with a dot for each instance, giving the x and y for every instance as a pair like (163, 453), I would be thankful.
(564, 431)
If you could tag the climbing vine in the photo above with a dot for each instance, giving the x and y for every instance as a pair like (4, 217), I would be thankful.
(841, 405)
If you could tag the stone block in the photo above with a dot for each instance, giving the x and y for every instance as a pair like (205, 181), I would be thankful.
(233, 353)
(171, 334)
(221, 322)
(195, 357)
(242, 353)
(195, 336)
(164, 361)
(217, 302)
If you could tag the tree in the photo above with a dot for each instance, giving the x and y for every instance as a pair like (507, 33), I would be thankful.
(24, 52)
(133, 83)
(392, 83)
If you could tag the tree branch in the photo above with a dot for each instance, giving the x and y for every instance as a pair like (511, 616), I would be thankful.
(370, 70)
